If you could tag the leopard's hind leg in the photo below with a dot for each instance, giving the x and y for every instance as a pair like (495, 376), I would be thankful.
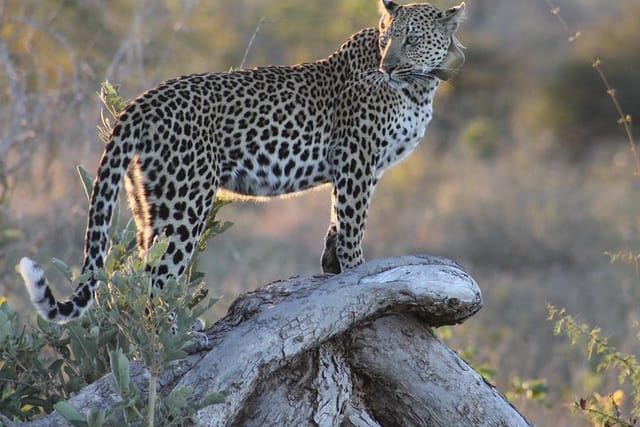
(171, 196)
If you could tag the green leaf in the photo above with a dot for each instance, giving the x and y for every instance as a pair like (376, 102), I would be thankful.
(87, 180)
(71, 414)
(213, 398)
(196, 277)
(120, 369)
(96, 417)
(115, 218)
(118, 280)
(111, 98)
(62, 267)
(6, 329)
(114, 258)
(129, 233)
(102, 276)
(84, 277)
(157, 251)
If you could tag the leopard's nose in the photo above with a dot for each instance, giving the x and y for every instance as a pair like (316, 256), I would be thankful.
(386, 68)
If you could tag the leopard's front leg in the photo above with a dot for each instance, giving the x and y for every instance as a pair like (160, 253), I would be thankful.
(353, 186)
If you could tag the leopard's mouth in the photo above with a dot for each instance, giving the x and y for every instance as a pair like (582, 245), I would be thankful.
(396, 81)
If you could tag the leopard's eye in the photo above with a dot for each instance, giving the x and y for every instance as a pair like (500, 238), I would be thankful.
(413, 39)
(382, 40)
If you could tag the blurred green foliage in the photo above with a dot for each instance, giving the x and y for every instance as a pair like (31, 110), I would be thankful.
(480, 136)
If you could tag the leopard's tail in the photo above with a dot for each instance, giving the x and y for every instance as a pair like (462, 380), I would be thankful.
(106, 186)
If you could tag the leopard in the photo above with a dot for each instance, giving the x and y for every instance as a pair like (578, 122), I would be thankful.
(263, 132)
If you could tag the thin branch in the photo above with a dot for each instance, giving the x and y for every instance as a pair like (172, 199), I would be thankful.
(251, 40)
(623, 118)
(262, 21)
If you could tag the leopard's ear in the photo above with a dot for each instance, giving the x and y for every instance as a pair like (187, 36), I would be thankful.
(388, 6)
(453, 17)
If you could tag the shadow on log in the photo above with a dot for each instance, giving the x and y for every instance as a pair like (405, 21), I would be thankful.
(355, 349)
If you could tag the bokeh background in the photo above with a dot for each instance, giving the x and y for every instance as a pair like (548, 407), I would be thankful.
(525, 177)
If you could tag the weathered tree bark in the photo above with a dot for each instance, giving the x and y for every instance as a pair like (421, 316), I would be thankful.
(355, 349)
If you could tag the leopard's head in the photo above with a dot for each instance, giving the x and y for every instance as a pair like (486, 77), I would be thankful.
(418, 40)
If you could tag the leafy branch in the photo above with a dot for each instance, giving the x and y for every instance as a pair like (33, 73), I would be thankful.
(602, 410)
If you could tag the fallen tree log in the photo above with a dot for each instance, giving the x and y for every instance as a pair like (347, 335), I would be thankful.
(355, 349)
